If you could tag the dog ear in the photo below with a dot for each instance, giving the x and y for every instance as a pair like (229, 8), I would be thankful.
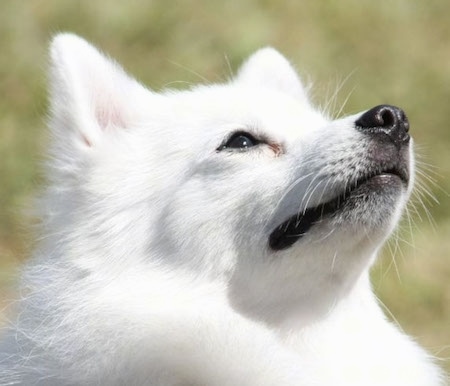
(268, 68)
(90, 94)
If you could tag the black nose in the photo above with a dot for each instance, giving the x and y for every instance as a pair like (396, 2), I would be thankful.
(385, 120)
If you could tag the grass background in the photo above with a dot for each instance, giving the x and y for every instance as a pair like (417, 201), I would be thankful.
(395, 52)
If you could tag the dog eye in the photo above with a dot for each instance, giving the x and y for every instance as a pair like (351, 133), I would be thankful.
(240, 141)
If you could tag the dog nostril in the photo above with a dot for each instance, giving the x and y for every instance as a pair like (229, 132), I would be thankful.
(404, 120)
(387, 118)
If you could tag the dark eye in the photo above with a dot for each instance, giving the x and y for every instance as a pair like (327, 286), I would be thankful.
(240, 141)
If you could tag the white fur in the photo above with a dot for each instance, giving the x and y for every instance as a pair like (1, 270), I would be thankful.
(154, 266)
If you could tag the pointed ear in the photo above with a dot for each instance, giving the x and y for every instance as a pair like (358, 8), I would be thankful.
(90, 94)
(268, 68)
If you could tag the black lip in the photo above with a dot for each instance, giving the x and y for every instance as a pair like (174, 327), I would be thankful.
(291, 230)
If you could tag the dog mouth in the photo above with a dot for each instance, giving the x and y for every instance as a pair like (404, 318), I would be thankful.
(294, 228)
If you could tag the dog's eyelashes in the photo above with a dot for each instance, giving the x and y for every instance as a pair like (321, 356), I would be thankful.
(240, 140)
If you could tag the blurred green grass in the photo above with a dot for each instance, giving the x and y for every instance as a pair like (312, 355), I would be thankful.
(396, 52)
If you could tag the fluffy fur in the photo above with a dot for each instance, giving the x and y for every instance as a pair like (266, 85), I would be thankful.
(154, 267)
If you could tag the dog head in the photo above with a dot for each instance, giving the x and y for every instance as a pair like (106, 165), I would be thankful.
(243, 182)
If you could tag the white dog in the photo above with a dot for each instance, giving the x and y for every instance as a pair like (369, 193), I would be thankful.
(217, 236)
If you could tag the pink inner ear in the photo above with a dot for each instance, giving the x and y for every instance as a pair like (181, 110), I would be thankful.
(109, 116)
(108, 106)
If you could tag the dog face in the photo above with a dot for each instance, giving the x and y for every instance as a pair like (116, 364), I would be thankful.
(243, 182)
